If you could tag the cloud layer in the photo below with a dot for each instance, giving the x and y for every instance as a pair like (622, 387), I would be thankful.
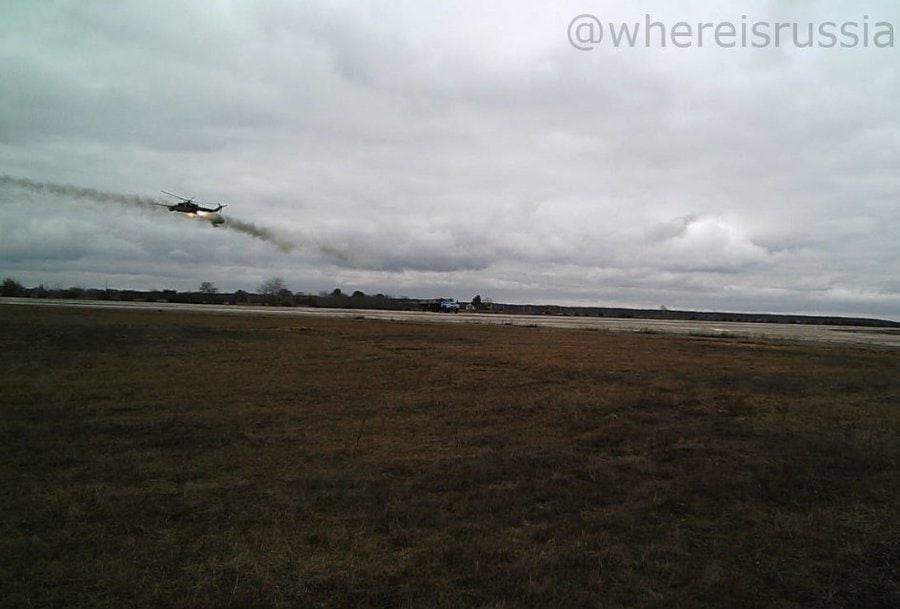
(423, 149)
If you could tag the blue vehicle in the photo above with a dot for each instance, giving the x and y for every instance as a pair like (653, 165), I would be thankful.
(440, 305)
(449, 305)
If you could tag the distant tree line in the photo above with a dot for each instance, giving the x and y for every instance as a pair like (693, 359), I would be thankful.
(274, 292)
(271, 292)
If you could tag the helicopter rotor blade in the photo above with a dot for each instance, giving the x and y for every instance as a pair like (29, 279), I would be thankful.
(166, 192)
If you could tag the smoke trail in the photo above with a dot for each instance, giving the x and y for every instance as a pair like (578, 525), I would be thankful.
(75, 192)
(260, 232)
(351, 258)
(99, 196)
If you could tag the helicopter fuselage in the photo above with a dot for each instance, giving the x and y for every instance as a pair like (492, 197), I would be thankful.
(193, 210)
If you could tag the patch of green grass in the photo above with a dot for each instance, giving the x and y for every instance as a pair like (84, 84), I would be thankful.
(161, 459)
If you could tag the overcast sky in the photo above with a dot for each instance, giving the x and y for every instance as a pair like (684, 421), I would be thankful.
(449, 149)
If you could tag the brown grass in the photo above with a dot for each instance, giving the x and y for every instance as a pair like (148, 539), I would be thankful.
(181, 460)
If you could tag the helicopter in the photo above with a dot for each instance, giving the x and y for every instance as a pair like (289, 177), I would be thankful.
(186, 205)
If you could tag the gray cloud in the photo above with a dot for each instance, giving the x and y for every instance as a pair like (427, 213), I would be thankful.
(419, 148)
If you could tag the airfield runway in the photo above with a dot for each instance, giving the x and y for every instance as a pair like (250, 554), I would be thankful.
(885, 337)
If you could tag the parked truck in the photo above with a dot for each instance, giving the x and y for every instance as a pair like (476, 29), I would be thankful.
(440, 305)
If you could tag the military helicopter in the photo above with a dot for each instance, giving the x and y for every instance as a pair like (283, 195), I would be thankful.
(194, 210)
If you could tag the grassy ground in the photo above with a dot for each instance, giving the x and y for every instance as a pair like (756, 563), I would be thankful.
(165, 460)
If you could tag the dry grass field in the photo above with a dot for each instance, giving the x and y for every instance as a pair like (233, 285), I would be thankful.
(164, 460)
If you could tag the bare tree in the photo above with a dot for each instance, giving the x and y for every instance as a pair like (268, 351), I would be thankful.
(11, 287)
(276, 292)
(208, 287)
(273, 286)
